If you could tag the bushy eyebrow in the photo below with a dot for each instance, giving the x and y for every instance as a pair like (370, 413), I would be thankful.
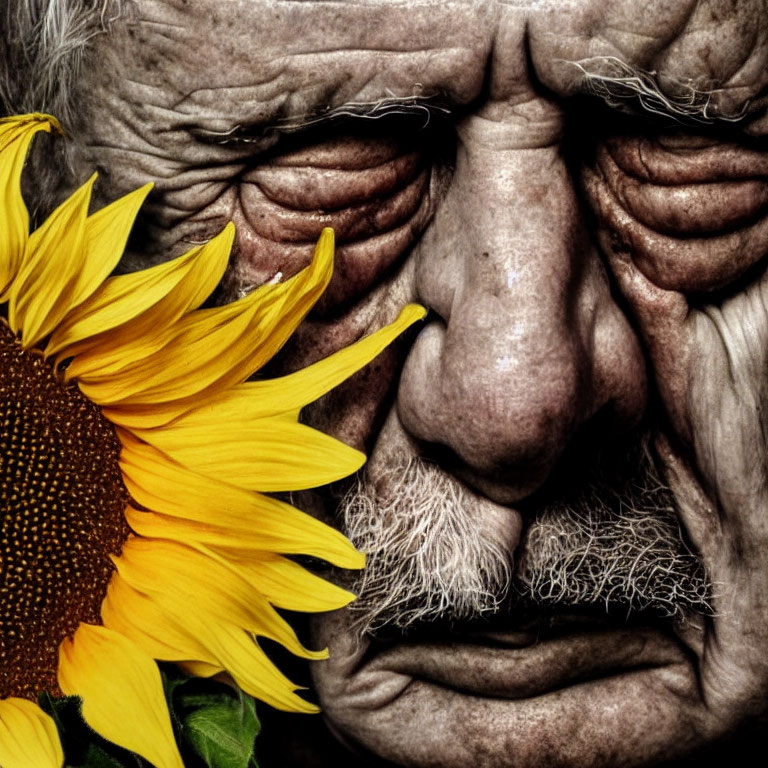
(626, 88)
(413, 106)
(423, 108)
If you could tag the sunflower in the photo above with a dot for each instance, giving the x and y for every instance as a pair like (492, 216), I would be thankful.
(134, 458)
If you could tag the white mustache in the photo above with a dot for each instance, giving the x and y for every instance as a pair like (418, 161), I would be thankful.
(427, 559)
(619, 552)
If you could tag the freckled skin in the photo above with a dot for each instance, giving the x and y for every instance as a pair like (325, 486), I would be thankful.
(584, 272)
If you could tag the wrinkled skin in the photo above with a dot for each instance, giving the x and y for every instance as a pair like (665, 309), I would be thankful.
(582, 273)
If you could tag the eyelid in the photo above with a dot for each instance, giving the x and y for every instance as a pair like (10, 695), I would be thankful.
(686, 209)
(331, 188)
(233, 135)
(344, 152)
(675, 259)
(238, 141)
(363, 217)
(651, 162)
(414, 108)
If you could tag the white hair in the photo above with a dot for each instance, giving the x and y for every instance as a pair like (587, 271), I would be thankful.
(43, 43)
(426, 558)
(618, 84)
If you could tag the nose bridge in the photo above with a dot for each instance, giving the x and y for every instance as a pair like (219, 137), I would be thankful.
(522, 242)
(513, 340)
(529, 339)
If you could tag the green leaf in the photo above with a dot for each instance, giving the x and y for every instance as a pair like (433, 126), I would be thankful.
(223, 733)
(96, 757)
(216, 723)
(172, 678)
(83, 748)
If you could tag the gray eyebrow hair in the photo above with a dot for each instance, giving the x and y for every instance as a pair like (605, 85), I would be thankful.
(425, 106)
(621, 85)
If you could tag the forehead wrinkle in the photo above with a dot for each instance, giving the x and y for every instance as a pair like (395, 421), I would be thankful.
(283, 95)
(258, 34)
(433, 21)
(165, 56)
(332, 75)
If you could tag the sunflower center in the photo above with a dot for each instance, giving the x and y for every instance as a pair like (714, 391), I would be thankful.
(62, 502)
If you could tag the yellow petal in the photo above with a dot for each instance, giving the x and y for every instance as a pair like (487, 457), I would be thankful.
(267, 455)
(211, 330)
(119, 324)
(41, 294)
(122, 693)
(200, 668)
(210, 511)
(23, 127)
(251, 669)
(28, 736)
(137, 617)
(106, 233)
(288, 585)
(213, 349)
(15, 136)
(147, 619)
(256, 399)
(199, 580)
(286, 537)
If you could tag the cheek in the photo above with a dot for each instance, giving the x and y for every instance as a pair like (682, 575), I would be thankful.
(662, 321)
(377, 194)
(354, 411)
(729, 391)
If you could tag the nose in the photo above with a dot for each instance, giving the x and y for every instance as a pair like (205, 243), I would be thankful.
(527, 346)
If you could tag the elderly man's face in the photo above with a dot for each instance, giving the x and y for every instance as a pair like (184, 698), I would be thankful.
(577, 192)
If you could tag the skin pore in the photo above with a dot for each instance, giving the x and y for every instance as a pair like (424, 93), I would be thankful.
(590, 265)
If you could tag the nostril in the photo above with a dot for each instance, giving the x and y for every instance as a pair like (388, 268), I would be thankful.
(492, 421)
(504, 483)
(504, 449)
(539, 469)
